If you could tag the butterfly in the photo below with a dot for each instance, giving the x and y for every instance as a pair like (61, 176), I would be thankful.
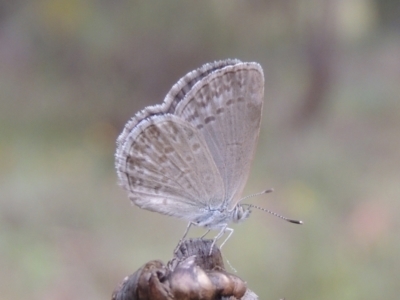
(190, 156)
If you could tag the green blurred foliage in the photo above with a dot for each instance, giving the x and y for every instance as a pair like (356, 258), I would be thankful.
(73, 72)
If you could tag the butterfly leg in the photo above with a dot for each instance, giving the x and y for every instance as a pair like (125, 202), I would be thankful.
(229, 235)
(219, 235)
(184, 236)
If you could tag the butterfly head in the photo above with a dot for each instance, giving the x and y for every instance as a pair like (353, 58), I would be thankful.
(240, 213)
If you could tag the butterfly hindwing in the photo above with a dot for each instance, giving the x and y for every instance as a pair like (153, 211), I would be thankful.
(166, 167)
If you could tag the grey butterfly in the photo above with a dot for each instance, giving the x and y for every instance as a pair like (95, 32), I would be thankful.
(190, 156)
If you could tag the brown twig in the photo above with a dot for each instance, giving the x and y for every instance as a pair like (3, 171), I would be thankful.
(191, 274)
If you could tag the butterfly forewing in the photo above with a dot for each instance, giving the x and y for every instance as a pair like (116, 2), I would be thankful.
(226, 106)
(179, 91)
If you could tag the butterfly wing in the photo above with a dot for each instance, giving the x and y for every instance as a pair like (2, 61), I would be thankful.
(226, 107)
(221, 103)
(174, 96)
(166, 166)
(179, 91)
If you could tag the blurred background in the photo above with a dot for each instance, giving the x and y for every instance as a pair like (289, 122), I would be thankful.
(73, 72)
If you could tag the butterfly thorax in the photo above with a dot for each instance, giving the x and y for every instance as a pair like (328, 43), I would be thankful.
(218, 218)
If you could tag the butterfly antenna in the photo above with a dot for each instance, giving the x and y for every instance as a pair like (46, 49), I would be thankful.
(267, 210)
(275, 214)
(257, 194)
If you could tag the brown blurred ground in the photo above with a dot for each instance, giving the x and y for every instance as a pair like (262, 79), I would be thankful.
(73, 72)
